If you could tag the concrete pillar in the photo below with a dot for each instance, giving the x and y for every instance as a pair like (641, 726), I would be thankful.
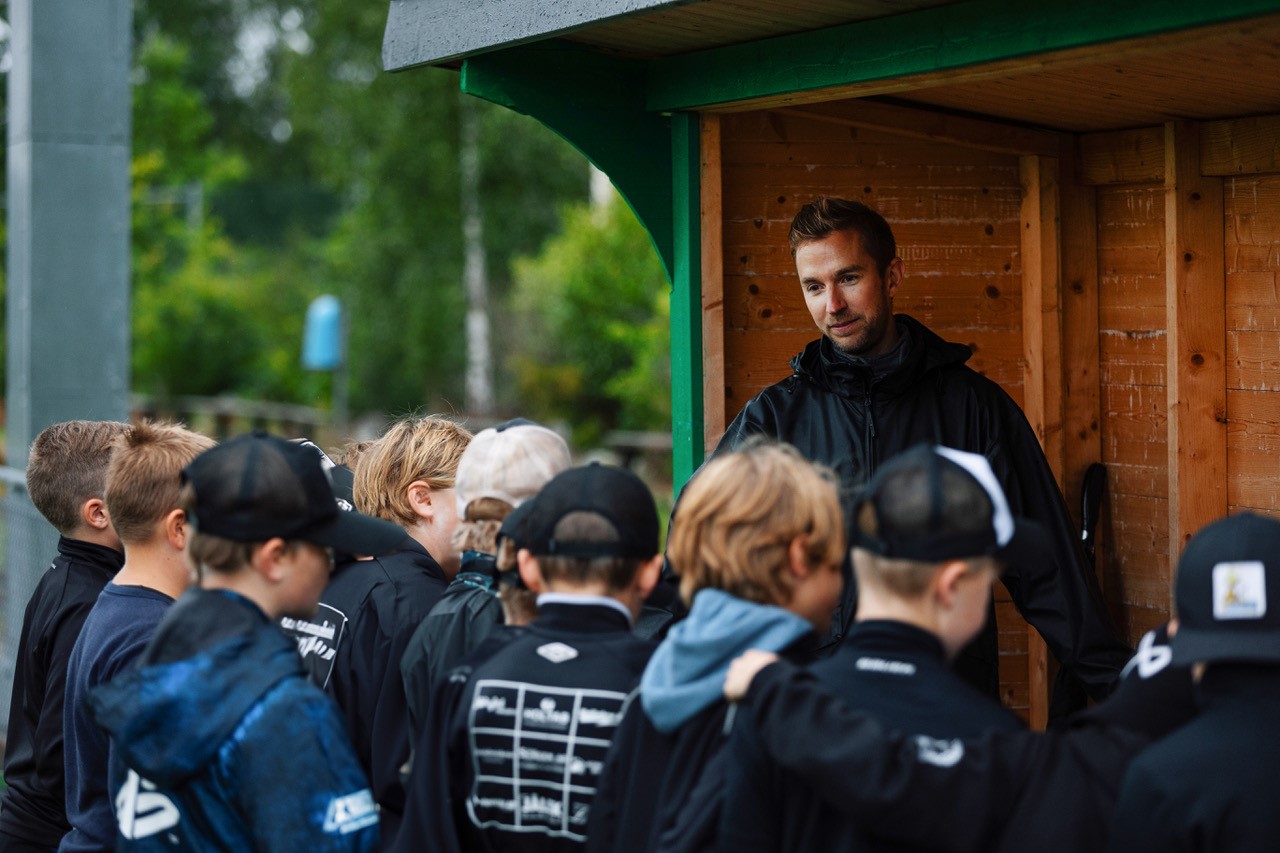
(68, 239)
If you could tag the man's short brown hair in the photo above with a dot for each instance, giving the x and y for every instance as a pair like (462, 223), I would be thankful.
(825, 216)
(68, 466)
(143, 480)
(426, 449)
(735, 522)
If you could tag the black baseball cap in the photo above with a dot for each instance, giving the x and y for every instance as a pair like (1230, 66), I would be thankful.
(615, 494)
(933, 503)
(342, 478)
(1228, 593)
(256, 487)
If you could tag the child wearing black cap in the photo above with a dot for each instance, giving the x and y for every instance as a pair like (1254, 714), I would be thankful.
(515, 739)
(1211, 786)
(930, 534)
(225, 743)
(867, 755)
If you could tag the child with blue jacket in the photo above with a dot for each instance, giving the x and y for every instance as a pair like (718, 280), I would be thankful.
(225, 744)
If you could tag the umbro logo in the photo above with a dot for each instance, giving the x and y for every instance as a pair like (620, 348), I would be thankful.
(557, 652)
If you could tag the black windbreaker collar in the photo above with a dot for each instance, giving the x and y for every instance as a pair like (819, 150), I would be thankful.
(925, 353)
(897, 639)
(579, 619)
(97, 556)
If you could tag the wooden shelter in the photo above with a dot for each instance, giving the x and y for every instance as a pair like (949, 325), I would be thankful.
(1087, 193)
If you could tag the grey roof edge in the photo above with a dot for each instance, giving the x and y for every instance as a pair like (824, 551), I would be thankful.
(425, 32)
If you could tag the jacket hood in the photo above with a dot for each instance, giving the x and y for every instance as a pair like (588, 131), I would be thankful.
(925, 353)
(170, 719)
(686, 674)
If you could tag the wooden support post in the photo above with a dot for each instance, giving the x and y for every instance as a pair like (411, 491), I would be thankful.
(712, 284)
(1082, 409)
(1195, 284)
(1042, 350)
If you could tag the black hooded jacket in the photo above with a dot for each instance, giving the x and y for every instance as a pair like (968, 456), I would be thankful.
(852, 415)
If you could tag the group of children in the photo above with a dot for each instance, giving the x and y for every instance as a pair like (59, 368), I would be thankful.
(444, 642)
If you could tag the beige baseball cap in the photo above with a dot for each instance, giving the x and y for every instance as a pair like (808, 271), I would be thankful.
(510, 462)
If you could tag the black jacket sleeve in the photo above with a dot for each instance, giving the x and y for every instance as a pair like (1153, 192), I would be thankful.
(436, 788)
(749, 821)
(959, 795)
(369, 689)
(1059, 595)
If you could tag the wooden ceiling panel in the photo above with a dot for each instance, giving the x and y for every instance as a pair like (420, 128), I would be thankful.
(1237, 75)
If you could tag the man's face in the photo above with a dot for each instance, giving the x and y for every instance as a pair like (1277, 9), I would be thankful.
(851, 303)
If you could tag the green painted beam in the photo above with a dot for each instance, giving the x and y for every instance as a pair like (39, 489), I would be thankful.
(936, 39)
(686, 301)
(596, 103)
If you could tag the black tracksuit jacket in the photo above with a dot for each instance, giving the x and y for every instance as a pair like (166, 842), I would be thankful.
(852, 417)
(517, 736)
(663, 791)
(895, 672)
(381, 602)
(1051, 792)
(465, 616)
(33, 806)
(1210, 786)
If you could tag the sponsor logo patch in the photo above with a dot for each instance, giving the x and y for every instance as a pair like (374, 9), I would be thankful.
(350, 813)
(1239, 590)
(939, 753)
(889, 667)
(557, 652)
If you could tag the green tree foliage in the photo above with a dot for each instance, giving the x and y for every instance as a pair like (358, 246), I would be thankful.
(592, 315)
(389, 144)
(209, 317)
(320, 173)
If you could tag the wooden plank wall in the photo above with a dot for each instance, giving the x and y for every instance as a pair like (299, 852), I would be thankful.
(1134, 423)
(956, 213)
(1169, 247)
(1196, 422)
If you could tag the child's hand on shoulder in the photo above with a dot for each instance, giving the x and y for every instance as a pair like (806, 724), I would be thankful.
(743, 670)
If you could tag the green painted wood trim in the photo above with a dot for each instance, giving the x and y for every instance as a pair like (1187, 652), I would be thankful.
(596, 103)
(929, 40)
(686, 301)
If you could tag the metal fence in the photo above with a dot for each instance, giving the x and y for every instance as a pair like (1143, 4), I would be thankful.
(27, 545)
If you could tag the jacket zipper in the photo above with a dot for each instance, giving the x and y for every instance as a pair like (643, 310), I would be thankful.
(871, 437)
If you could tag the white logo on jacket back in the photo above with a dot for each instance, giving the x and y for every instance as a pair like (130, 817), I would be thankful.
(141, 810)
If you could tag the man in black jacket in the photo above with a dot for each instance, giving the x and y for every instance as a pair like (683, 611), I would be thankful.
(66, 478)
(933, 531)
(877, 383)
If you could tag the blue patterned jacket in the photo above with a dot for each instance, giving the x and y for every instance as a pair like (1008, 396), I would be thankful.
(226, 745)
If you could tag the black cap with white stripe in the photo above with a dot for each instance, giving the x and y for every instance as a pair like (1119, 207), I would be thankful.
(933, 503)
